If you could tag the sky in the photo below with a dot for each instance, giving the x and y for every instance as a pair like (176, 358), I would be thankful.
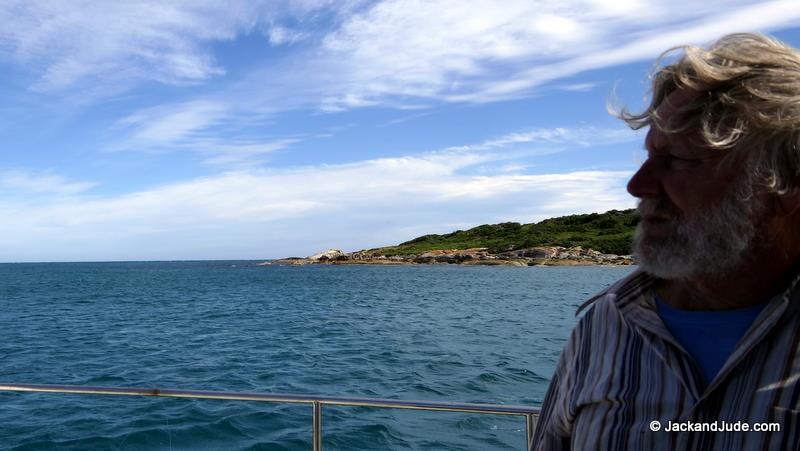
(196, 130)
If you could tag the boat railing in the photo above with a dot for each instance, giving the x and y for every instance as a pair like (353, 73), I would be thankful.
(316, 402)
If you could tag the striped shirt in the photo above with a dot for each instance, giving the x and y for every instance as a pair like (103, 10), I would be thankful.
(621, 370)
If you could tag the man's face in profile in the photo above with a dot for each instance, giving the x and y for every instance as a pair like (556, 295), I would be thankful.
(696, 216)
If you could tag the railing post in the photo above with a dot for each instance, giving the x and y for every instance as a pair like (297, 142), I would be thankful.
(530, 428)
(316, 411)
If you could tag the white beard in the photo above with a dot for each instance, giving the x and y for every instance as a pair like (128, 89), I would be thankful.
(710, 242)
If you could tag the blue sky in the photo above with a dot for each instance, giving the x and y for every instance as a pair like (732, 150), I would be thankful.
(164, 130)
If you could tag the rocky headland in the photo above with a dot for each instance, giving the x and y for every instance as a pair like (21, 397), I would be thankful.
(534, 256)
(583, 239)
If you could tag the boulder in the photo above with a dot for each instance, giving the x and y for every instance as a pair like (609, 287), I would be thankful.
(328, 256)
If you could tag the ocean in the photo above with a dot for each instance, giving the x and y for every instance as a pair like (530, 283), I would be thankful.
(440, 332)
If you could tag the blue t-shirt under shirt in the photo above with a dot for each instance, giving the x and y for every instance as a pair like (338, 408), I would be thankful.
(708, 336)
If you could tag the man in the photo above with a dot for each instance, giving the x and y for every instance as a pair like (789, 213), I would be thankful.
(702, 341)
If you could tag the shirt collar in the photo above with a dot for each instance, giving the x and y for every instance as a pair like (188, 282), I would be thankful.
(624, 289)
(635, 289)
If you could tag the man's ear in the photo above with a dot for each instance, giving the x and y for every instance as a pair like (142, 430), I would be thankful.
(789, 202)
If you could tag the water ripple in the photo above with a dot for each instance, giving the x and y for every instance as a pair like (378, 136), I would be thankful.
(470, 334)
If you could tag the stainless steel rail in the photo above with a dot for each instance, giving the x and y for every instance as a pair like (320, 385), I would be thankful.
(531, 414)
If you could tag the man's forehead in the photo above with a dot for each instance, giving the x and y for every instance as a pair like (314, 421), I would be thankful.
(675, 101)
(688, 142)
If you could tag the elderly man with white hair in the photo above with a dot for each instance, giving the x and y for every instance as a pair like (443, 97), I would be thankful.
(699, 348)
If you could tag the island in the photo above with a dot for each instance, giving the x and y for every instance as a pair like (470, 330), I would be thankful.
(585, 239)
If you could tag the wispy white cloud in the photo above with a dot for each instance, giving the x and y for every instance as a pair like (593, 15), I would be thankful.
(270, 213)
(390, 52)
(279, 35)
(474, 51)
(646, 39)
(238, 152)
(403, 54)
(120, 44)
(71, 42)
(187, 127)
(41, 183)
(556, 139)
(407, 118)
(578, 87)
(408, 53)
(168, 124)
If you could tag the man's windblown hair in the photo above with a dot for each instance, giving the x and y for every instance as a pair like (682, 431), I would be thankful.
(748, 104)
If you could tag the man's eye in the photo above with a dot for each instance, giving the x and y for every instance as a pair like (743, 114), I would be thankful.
(673, 162)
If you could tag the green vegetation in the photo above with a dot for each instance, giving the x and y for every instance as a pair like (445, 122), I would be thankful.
(610, 232)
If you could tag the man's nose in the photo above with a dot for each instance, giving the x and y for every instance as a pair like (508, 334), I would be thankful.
(646, 181)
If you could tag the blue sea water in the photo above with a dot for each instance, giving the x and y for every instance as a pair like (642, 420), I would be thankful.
(441, 332)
